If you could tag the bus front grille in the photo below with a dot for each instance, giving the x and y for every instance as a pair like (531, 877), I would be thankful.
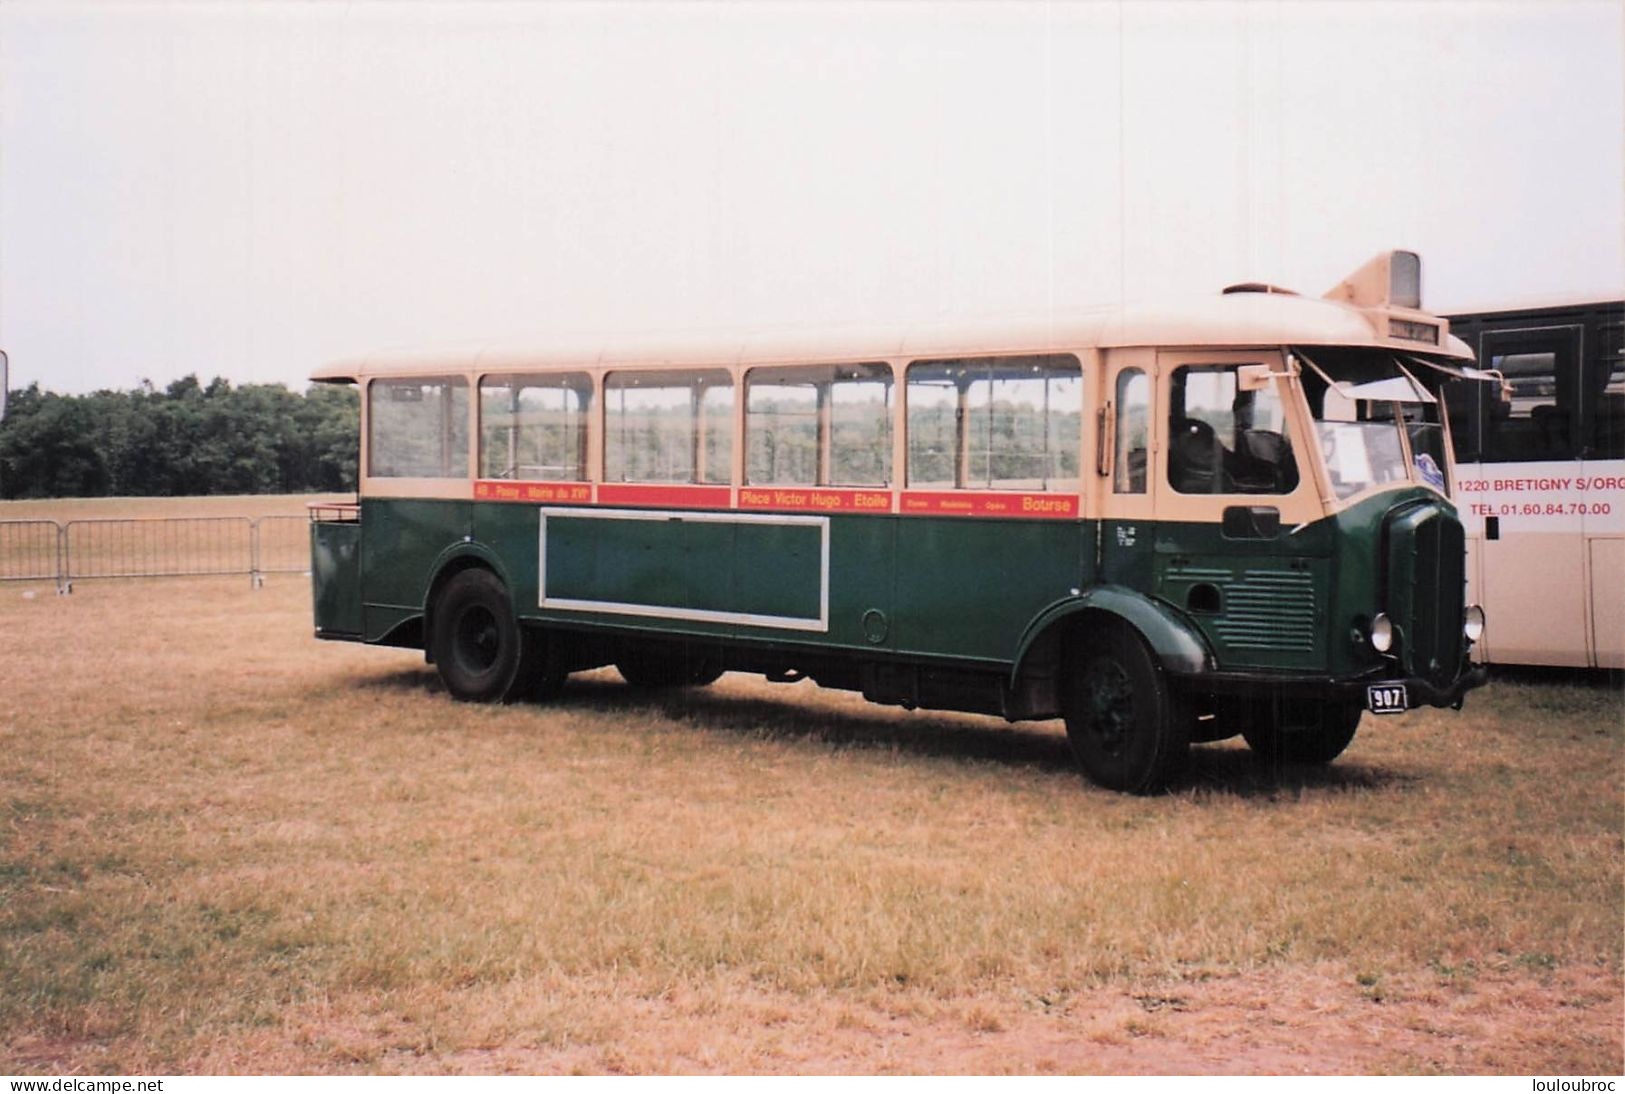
(1426, 588)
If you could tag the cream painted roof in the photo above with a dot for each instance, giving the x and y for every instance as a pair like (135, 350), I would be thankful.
(1233, 320)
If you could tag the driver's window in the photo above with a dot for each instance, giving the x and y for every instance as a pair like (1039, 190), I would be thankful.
(1222, 440)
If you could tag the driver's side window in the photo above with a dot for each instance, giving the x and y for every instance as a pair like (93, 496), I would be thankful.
(1222, 440)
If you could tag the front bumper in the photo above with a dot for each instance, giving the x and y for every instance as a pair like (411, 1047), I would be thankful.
(1420, 691)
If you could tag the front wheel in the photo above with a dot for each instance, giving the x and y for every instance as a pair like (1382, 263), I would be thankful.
(1127, 729)
(1302, 733)
(482, 652)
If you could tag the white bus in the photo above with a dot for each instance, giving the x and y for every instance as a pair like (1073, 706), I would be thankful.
(1541, 479)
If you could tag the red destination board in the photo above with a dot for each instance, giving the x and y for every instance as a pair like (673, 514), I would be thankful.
(502, 490)
(961, 503)
(817, 499)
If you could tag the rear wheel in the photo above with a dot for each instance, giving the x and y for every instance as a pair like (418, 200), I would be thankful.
(482, 652)
(1300, 732)
(1127, 729)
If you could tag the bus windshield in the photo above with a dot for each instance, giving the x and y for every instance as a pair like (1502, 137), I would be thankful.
(1376, 423)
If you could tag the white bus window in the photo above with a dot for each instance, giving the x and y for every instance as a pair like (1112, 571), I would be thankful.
(1222, 440)
(1534, 424)
(782, 431)
(819, 426)
(418, 428)
(668, 426)
(1003, 423)
(1133, 418)
(1607, 440)
(534, 428)
(1537, 415)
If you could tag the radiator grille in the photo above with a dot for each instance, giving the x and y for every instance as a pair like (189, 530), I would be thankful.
(1426, 596)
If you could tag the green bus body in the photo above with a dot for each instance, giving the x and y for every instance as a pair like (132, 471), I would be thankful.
(1145, 630)
(925, 592)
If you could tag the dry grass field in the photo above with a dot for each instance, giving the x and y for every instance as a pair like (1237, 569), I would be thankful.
(226, 847)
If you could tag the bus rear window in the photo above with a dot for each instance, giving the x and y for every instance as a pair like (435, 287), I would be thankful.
(418, 428)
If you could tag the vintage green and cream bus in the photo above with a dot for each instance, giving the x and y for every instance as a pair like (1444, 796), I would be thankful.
(1163, 525)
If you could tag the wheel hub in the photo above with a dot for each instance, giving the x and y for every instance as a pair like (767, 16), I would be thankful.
(1109, 705)
(478, 640)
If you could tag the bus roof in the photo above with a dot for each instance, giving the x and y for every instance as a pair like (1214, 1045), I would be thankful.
(1233, 319)
(1554, 302)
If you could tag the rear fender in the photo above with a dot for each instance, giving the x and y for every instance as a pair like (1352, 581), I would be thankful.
(453, 561)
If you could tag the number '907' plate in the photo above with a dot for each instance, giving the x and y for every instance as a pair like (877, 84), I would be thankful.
(1386, 699)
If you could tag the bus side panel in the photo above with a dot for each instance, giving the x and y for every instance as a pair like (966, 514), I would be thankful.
(1608, 560)
(1260, 603)
(861, 554)
(778, 570)
(656, 572)
(969, 587)
(401, 540)
(510, 533)
(628, 563)
(1534, 596)
(683, 573)
(1603, 502)
(336, 577)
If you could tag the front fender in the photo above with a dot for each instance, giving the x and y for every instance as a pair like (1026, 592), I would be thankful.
(1178, 645)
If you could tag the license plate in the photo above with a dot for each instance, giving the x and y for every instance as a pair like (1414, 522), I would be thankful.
(1386, 699)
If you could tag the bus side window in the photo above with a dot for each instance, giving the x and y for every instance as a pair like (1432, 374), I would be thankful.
(1001, 423)
(534, 428)
(1133, 416)
(1542, 420)
(818, 426)
(418, 428)
(668, 426)
(1608, 419)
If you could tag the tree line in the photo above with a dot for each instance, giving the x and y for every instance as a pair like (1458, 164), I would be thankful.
(186, 439)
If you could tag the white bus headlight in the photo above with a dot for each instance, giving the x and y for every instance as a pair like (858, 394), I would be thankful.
(1472, 623)
(1382, 633)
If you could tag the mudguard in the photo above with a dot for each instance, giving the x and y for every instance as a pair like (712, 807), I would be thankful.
(457, 557)
(1178, 645)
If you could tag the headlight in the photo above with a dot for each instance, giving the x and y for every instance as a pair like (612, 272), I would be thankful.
(1382, 633)
(1472, 623)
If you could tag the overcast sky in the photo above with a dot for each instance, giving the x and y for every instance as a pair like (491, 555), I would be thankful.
(248, 190)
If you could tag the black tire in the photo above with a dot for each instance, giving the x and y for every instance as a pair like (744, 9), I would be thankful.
(484, 655)
(1128, 730)
(665, 668)
(1300, 732)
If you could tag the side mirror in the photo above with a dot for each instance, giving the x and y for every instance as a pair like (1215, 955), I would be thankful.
(1253, 377)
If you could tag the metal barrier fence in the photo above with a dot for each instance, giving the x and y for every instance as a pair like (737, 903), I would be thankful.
(30, 550)
(81, 550)
(282, 545)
